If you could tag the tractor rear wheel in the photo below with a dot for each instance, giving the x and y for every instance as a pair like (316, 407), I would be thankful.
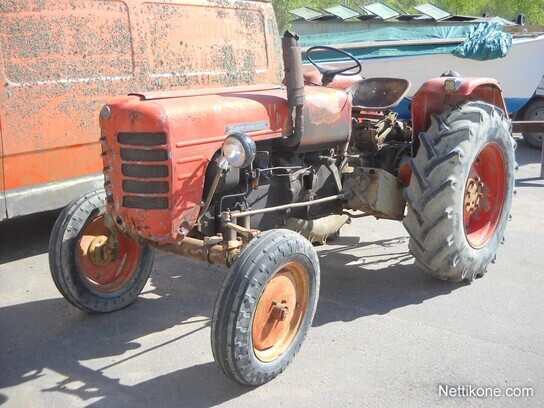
(89, 271)
(460, 191)
(265, 307)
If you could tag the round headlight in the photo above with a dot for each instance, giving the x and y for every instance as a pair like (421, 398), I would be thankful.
(239, 150)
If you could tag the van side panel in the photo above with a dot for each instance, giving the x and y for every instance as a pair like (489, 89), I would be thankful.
(3, 212)
(63, 61)
(60, 65)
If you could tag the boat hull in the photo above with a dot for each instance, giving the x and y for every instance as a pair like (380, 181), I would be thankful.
(519, 73)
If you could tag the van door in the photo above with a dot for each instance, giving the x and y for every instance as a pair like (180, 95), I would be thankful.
(3, 213)
(61, 62)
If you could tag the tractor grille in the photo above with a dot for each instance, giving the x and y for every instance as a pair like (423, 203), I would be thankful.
(143, 167)
(143, 155)
(144, 171)
(145, 187)
(146, 203)
(142, 139)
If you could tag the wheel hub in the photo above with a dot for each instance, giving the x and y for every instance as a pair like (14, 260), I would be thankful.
(100, 253)
(485, 195)
(279, 310)
(473, 194)
(106, 261)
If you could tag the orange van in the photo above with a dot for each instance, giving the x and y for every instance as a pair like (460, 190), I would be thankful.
(60, 60)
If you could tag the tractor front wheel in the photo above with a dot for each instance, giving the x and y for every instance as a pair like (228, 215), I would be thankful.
(265, 307)
(460, 192)
(92, 269)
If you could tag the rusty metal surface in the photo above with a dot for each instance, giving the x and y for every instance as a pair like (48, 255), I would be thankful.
(59, 64)
(196, 249)
(313, 76)
(431, 98)
(375, 192)
(195, 128)
(3, 212)
(327, 118)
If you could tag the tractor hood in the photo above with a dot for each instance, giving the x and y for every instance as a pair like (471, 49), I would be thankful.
(148, 96)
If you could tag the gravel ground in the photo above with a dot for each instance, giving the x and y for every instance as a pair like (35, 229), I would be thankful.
(385, 334)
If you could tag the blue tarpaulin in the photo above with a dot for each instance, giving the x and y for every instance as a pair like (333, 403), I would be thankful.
(485, 42)
(381, 36)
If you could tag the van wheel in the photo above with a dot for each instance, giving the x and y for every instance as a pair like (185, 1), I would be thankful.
(460, 192)
(89, 273)
(265, 307)
(534, 112)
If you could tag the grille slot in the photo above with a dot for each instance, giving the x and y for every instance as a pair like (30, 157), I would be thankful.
(144, 155)
(145, 187)
(146, 203)
(144, 171)
(142, 138)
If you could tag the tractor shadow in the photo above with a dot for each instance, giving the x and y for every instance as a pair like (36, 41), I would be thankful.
(50, 335)
(27, 236)
(359, 279)
(526, 154)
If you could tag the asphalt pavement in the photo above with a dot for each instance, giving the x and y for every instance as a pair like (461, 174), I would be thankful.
(384, 335)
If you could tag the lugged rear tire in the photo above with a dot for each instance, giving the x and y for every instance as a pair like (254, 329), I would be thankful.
(460, 192)
(251, 342)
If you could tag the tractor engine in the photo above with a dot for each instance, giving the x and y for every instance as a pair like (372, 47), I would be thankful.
(278, 179)
(380, 141)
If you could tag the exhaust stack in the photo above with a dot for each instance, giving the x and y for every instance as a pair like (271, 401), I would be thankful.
(294, 81)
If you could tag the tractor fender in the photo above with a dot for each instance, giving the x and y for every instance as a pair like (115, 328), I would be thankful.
(432, 98)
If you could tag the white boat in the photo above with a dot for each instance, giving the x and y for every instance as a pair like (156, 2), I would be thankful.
(421, 48)
(519, 73)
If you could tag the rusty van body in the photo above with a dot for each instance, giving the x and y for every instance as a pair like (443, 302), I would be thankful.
(61, 60)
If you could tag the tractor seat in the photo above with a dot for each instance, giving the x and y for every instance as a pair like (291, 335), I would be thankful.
(378, 94)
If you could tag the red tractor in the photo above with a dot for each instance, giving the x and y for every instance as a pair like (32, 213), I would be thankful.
(250, 176)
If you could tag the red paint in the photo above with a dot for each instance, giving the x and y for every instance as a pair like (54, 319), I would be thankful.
(490, 168)
(313, 77)
(60, 64)
(113, 275)
(431, 98)
(195, 128)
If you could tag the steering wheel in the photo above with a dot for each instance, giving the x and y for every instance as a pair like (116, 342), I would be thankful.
(330, 73)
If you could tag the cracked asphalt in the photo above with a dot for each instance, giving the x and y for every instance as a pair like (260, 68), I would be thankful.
(385, 334)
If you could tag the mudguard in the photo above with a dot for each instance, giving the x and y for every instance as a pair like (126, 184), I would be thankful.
(432, 97)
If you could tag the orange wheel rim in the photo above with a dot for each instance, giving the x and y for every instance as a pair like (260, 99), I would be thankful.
(280, 312)
(485, 194)
(112, 272)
